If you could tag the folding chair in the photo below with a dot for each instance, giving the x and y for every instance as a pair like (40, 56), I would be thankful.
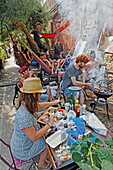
(17, 91)
(16, 163)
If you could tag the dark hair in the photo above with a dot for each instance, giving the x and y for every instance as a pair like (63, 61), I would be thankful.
(25, 51)
(38, 23)
(63, 54)
(42, 54)
(22, 48)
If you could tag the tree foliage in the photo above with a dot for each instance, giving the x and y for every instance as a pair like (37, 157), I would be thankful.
(19, 10)
(22, 12)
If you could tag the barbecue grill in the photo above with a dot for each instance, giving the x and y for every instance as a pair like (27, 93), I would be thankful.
(102, 93)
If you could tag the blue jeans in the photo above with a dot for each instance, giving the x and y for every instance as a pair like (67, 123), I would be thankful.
(44, 96)
(67, 92)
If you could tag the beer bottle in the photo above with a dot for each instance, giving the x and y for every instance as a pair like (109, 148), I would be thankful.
(72, 102)
(62, 104)
(64, 134)
(77, 108)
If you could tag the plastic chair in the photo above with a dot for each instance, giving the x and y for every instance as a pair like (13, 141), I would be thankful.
(16, 163)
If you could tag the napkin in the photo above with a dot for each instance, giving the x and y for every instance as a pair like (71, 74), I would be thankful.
(93, 122)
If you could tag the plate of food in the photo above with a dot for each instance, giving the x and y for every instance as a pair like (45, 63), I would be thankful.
(74, 88)
(55, 112)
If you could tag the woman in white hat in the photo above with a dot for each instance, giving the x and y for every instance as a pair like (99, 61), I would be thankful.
(27, 141)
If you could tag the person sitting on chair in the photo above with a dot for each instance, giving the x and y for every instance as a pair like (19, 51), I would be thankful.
(27, 55)
(74, 77)
(58, 64)
(27, 138)
(29, 73)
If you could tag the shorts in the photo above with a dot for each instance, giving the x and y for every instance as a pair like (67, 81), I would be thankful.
(44, 96)
(68, 92)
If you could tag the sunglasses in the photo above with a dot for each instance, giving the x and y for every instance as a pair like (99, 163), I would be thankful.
(42, 54)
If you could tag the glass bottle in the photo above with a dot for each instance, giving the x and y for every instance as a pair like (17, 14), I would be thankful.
(73, 98)
(64, 134)
(62, 104)
(77, 108)
(72, 102)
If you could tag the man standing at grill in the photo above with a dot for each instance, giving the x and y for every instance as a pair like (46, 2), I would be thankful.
(36, 33)
(93, 71)
(74, 77)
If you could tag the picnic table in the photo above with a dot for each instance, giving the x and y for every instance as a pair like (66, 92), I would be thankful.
(69, 164)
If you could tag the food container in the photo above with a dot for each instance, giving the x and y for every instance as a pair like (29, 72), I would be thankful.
(55, 139)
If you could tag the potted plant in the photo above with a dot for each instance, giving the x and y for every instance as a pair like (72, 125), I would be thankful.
(93, 154)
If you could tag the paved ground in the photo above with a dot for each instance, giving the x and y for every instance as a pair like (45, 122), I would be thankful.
(7, 111)
(100, 110)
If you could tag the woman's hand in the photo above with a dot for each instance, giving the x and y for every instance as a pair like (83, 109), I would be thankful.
(56, 101)
(48, 104)
(90, 85)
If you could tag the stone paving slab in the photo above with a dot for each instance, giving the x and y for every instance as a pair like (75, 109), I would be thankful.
(8, 79)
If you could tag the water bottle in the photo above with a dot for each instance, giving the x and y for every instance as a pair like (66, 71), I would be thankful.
(83, 109)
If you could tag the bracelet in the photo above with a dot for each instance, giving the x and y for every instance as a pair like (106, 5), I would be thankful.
(48, 124)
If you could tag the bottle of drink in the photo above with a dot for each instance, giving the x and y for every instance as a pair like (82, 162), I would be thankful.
(73, 98)
(77, 108)
(83, 109)
(64, 134)
(72, 102)
(62, 104)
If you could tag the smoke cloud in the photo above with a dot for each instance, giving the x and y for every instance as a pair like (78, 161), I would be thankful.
(87, 19)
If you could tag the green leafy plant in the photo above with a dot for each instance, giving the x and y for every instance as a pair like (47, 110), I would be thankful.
(91, 155)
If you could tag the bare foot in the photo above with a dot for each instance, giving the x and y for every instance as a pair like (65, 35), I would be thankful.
(45, 165)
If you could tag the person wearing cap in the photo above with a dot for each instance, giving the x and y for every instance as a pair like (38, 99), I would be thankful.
(26, 73)
(37, 38)
(22, 69)
(27, 138)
